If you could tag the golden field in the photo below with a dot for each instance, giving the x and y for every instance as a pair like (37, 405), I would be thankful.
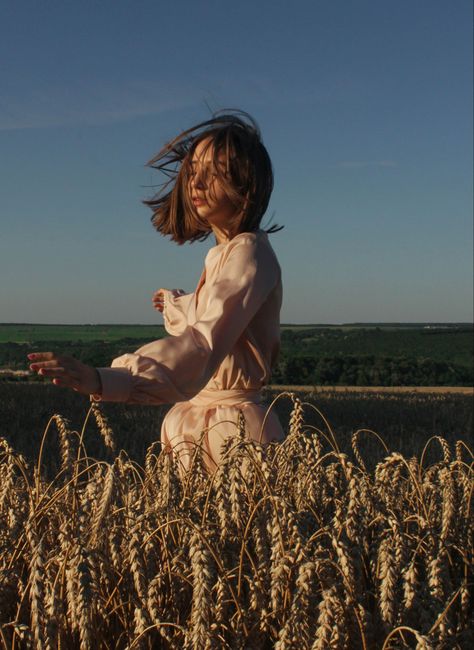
(296, 545)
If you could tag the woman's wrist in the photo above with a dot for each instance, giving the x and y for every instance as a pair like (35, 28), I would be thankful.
(97, 383)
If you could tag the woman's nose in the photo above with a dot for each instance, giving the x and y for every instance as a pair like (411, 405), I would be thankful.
(199, 180)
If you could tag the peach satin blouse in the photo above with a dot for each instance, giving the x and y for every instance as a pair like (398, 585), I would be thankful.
(224, 339)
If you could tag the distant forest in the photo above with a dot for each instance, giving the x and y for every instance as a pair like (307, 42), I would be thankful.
(348, 356)
(376, 357)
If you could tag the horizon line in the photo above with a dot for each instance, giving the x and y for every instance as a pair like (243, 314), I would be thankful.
(11, 323)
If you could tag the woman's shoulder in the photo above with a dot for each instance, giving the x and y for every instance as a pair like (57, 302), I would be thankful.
(257, 240)
(252, 246)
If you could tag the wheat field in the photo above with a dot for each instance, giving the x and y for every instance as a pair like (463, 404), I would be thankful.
(290, 546)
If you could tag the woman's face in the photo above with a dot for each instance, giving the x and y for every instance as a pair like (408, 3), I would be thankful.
(206, 190)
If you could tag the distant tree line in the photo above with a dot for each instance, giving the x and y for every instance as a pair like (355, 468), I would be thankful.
(454, 344)
(370, 370)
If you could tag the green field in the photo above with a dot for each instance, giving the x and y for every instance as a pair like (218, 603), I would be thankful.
(18, 333)
(30, 332)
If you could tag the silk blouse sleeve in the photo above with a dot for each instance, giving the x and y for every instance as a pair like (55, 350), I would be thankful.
(176, 368)
(175, 309)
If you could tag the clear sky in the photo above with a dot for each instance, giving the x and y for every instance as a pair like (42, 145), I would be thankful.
(365, 107)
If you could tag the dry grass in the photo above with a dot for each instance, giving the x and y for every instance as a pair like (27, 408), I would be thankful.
(463, 390)
(290, 546)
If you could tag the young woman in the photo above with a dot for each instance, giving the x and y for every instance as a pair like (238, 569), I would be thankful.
(224, 337)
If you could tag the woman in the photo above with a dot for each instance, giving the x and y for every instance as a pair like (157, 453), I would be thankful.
(224, 337)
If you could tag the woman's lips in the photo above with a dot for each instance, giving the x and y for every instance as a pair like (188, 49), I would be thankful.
(198, 201)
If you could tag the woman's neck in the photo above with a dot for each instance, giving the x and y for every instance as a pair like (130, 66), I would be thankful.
(223, 235)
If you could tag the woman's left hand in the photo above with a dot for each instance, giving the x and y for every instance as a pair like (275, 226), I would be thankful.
(158, 299)
(67, 372)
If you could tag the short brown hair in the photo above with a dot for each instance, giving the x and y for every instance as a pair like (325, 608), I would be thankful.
(248, 181)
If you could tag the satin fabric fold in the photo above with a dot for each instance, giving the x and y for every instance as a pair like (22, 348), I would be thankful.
(216, 413)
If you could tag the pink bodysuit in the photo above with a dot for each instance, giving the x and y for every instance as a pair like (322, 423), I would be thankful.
(225, 337)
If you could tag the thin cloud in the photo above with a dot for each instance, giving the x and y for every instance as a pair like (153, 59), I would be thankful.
(101, 101)
(362, 164)
(89, 104)
(98, 102)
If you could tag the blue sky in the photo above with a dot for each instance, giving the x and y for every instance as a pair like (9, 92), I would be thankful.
(365, 108)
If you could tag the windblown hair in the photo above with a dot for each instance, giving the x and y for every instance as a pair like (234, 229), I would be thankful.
(245, 173)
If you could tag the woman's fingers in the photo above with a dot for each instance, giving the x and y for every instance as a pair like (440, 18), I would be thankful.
(49, 364)
(159, 295)
(48, 360)
(158, 300)
(45, 364)
(42, 356)
(63, 373)
(66, 382)
(52, 372)
(66, 371)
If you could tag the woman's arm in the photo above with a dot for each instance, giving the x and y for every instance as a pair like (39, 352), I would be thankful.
(68, 372)
(176, 368)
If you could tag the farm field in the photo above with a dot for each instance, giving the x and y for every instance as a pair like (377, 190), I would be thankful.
(465, 390)
(339, 537)
(354, 533)
(26, 333)
(405, 419)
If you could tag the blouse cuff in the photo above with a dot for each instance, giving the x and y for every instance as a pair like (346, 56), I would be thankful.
(116, 385)
(173, 317)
